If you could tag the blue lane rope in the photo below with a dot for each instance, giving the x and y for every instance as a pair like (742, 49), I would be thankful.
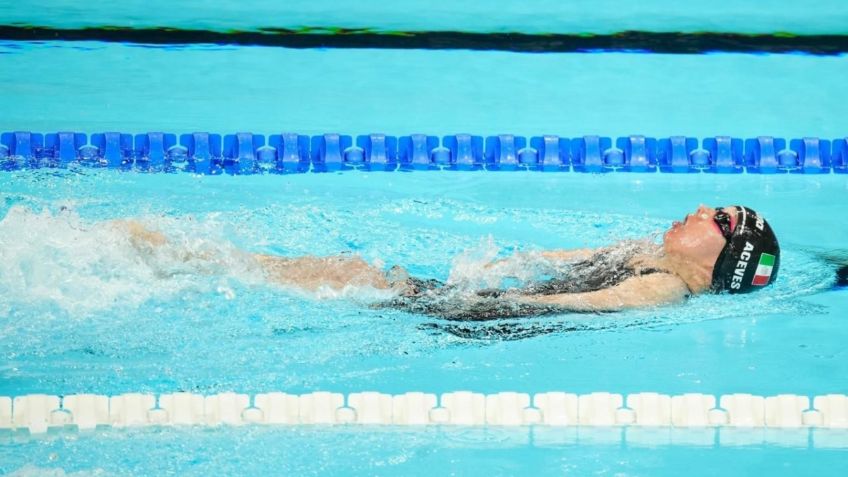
(248, 153)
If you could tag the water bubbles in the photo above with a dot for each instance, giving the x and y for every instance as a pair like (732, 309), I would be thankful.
(226, 292)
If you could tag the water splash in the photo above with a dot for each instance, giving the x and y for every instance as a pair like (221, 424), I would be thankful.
(79, 267)
(475, 268)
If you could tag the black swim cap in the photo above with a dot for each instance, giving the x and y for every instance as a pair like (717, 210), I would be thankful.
(750, 259)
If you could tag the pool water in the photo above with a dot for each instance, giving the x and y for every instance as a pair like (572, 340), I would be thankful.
(537, 16)
(85, 314)
(82, 311)
(96, 87)
(379, 451)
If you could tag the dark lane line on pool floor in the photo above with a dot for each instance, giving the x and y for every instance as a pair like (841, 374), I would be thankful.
(654, 42)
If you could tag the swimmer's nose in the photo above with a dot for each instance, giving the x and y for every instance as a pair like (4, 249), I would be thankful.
(705, 212)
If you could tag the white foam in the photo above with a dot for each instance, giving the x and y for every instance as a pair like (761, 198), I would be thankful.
(30, 470)
(360, 293)
(81, 266)
(479, 267)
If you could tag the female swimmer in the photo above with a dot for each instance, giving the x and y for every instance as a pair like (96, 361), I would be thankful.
(730, 249)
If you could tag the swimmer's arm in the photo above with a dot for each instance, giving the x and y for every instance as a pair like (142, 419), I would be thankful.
(311, 273)
(568, 255)
(636, 292)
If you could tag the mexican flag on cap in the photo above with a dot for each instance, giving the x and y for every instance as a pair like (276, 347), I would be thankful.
(761, 277)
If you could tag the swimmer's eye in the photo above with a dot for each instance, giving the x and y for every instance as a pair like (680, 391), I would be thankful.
(722, 219)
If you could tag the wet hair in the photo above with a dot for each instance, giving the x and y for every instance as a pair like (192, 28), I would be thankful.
(750, 259)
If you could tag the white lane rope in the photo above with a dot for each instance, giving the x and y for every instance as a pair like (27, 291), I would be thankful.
(37, 413)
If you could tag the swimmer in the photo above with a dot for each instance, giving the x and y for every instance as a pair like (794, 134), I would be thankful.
(713, 250)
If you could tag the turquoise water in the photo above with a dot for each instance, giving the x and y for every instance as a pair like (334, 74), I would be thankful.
(108, 321)
(363, 451)
(94, 87)
(535, 16)
(81, 311)
(84, 314)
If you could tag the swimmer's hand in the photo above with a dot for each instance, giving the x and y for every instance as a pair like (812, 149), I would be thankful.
(147, 242)
(635, 292)
(140, 236)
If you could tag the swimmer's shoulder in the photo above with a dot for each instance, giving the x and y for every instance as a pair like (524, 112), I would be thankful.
(661, 285)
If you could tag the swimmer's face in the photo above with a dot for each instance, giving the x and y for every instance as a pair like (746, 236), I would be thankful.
(698, 238)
